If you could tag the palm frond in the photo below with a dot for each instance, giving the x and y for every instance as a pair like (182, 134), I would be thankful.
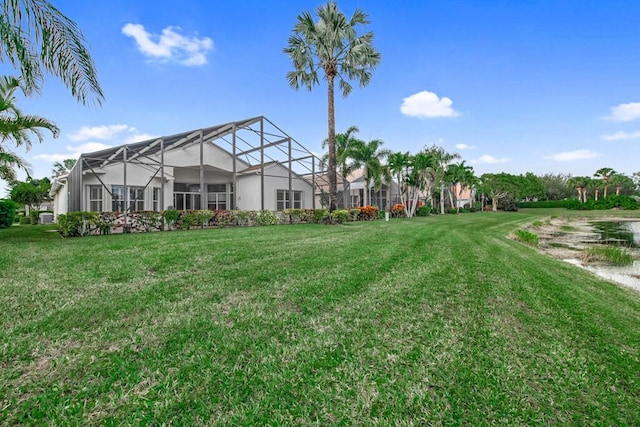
(50, 41)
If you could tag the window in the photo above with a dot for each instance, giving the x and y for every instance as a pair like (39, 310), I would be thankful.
(283, 202)
(186, 196)
(95, 198)
(217, 196)
(156, 199)
(136, 198)
(117, 199)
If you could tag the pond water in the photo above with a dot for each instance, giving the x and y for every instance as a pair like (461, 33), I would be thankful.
(622, 233)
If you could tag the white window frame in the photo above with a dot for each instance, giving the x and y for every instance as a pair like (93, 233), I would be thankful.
(93, 200)
(283, 202)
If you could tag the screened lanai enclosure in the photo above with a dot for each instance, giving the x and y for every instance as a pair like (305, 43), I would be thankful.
(249, 164)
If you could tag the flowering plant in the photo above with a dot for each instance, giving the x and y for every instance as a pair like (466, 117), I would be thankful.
(397, 209)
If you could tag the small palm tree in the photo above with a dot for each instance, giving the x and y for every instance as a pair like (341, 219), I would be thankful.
(344, 142)
(369, 156)
(442, 160)
(398, 164)
(17, 127)
(580, 183)
(459, 174)
(35, 38)
(605, 174)
(332, 45)
(65, 166)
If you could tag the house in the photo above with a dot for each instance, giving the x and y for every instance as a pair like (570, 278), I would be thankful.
(249, 164)
(351, 191)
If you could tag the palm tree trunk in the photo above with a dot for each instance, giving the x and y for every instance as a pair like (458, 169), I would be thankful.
(333, 185)
(451, 198)
(442, 199)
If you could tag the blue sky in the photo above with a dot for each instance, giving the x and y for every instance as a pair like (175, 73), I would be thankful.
(514, 86)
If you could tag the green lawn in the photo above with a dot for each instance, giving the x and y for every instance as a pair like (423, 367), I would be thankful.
(437, 320)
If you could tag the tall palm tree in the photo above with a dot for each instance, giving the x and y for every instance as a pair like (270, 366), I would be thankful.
(17, 127)
(580, 183)
(618, 181)
(605, 174)
(35, 38)
(344, 142)
(332, 45)
(369, 156)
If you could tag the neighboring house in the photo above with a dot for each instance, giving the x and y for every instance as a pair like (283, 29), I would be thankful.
(463, 195)
(249, 164)
(351, 191)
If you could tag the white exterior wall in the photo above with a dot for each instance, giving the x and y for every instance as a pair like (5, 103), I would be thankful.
(276, 178)
(60, 201)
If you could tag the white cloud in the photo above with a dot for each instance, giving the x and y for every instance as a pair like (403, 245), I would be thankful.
(624, 112)
(88, 147)
(122, 133)
(427, 104)
(137, 137)
(465, 147)
(87, 136)
(54, 157)
(567, 156)
(489, 159)
(170, 46)
(98, 132)
(72, 152)
(621, 135)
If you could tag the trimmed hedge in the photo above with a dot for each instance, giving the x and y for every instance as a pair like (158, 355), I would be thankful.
(7, 213)
(568, 204)
(611, 202)
(77, 224)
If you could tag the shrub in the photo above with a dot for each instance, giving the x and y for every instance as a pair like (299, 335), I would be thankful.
(368, 213)
(353, 214)
(25, 220)
(308, 215)
(527, 237)
(221, 218)
(292, 216)
(244, 218)
(203, 217)
(452, 211)
(106, 222)
(508, 204)
(148, 220)
(170, 217)
(7, 213)
(267, 218)
(340, 215)
(320, 215)
(34, 216)
(77, 224)
(187, 220)
(397, 210)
